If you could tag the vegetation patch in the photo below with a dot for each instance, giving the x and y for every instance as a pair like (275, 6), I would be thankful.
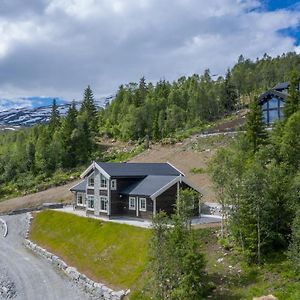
(211, 142)
(198, 170)
(114, 254)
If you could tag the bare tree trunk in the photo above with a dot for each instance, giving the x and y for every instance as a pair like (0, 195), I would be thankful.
(258, 238)
(223, 219)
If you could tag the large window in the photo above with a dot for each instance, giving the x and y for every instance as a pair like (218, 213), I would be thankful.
(91, 201)
(273, 103)
(143, 204)
(80, 199)
(103, 182)
(273, 115)
(103, 203)
(132, 203)
(91, 181)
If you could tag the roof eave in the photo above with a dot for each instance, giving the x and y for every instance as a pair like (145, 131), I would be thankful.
(93, 166)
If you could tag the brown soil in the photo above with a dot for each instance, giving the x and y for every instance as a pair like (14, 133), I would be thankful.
(185, 160)
(55, 194)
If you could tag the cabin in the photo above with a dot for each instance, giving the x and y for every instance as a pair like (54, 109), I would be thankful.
(272, 102)
(138, 190)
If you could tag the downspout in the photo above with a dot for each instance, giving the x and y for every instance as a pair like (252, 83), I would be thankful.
(109, 200)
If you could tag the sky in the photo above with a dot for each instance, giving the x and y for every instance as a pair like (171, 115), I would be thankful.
(55, 48)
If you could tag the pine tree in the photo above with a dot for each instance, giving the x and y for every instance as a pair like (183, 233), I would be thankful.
(293, 99)
(88, 103)
(229, 95)
(69, 140)
(142, 92)
(255, 126)
(88, 107)
(54, 121)
(30, 156)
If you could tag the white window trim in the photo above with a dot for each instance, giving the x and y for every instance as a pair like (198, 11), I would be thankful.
(83, 200)
(90, 186)
(107, 182)
(87, 205)
(113, 184)
(106, 198)
(140, 202)
(129, 206)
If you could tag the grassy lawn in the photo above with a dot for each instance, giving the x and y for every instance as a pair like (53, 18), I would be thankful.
(117, 255)
(111, 253)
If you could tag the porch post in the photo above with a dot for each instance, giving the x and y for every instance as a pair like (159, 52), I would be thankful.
(154, 206)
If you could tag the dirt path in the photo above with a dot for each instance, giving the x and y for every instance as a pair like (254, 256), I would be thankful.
(55, 194)
(26, 275)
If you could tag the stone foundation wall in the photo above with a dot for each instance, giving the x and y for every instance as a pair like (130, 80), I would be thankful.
(98, 290)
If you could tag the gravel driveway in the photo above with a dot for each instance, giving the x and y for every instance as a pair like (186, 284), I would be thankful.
(24, 276)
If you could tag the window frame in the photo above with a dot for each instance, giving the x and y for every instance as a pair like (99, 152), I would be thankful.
(106, 180)
(104, 199)
(113, 184)
(83, 203)
(140, 204)
(88, 202)
(130, 207)
(92, 176)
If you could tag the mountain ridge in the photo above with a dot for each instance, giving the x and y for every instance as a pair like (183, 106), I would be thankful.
(14, 118)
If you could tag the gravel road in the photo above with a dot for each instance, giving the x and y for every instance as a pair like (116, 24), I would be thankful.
(25, 276)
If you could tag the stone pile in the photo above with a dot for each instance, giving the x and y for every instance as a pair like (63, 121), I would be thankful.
(95, 289)
(7, 286)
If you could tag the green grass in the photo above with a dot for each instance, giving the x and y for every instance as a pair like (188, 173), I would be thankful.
(198, 171)
(114, 254)
(118, 255)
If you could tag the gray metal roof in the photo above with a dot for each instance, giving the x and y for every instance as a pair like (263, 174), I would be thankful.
(263, 97)
(281, 86)
(148, 185)
(138, 169)
(80, 187)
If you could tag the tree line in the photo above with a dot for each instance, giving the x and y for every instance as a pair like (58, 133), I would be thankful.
(159, 110)
(65, 143)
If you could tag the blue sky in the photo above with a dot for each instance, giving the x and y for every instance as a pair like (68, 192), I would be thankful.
(278, 4)
(58, 47)
(273, 5)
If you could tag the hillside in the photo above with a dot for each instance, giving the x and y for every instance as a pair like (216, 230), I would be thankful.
(191, 156)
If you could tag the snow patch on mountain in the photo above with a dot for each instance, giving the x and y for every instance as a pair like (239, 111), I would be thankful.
(13, 118)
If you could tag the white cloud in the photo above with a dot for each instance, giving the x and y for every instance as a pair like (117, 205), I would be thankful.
(66, 44)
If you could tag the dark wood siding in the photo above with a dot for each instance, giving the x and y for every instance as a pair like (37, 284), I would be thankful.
(117, 202)
(167, 200)
(142, 214)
